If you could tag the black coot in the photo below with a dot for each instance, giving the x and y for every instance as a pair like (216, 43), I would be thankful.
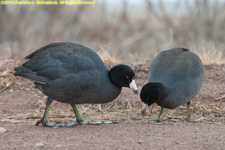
(74, 74)
(175, 78)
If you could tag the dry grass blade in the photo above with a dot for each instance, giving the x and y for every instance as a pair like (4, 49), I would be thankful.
(106, 57)
(209, 53)
(151, 109)
(6, 73)
(6, 80)
(7, 86)
(219, 98)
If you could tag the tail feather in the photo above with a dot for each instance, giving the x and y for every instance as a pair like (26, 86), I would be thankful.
(29, 74)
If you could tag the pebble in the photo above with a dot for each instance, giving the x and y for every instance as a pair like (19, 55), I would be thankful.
(182, 143)
(2, 130)
(124, 101)
(36, 132)
(140, 142)
(27, 89)
(59, 146)
(39, 145)
(160, 138)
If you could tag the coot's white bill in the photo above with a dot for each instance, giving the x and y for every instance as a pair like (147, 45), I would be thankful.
(134, 86)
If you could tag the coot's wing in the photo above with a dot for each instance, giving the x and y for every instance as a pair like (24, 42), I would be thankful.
(58, 59)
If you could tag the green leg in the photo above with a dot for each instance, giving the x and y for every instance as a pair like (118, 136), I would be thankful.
(44, 119)
(78, 116)
(160, 112)
(188, 112)
(81, 121)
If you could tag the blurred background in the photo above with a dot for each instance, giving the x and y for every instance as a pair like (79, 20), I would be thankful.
(129, 31)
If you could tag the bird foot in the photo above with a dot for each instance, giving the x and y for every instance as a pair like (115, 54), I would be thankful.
(49, 124)
(72, 124)
(157, 121)
(79, 120)
(188, 120)
(97, 122)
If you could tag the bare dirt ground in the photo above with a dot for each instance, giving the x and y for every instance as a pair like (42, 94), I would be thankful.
(21, 105)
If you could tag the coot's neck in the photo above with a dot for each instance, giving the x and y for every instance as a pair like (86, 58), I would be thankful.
(113, 76)
(161, 89)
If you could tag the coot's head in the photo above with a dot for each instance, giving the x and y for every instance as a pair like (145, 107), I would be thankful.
(123, 76)
(153, 92)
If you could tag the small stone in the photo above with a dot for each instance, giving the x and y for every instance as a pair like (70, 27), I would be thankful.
(36, 132)
(182, 143)
(27, 89)
(59, 145)
(124, 101)
(2, 130)
(139, 141)
(39, 145)
(160, 138)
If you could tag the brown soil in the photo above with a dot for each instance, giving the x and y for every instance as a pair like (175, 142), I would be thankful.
(21, 105)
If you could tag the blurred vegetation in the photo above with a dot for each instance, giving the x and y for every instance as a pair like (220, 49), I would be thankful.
(126, 34)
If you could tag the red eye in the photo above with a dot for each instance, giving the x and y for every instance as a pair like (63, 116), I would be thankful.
(127, 77)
